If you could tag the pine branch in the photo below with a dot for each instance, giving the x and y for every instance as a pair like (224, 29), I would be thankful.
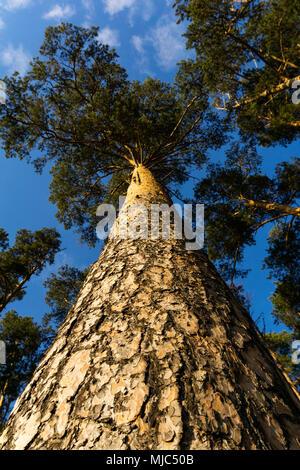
(270, 206)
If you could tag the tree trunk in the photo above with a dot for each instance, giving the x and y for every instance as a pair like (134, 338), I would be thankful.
(156, 353)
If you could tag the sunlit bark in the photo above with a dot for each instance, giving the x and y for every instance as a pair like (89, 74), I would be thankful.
(156, 353)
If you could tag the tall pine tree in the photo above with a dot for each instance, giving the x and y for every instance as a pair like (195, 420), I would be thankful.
(156, 352)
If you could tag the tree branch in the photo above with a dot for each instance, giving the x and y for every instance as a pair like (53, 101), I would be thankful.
(270, 206)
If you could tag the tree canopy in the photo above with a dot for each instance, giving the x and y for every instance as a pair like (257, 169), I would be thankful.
(78, 108)
(247, 53)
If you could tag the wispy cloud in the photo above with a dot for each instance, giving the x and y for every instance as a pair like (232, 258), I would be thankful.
(109, 36)
(115, 6)
(10, 5)
(167, 41)
(146, 9)
(138, 44)
(59, 13)
(2, 24)
(89, 6)
(164, 41)
(15, 59)
(143, 8)
(141, 45)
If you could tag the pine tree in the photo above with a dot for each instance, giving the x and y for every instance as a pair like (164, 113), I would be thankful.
(78, 108)
(156, 352)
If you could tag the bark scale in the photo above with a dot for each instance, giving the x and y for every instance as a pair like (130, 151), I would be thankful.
(156, 353)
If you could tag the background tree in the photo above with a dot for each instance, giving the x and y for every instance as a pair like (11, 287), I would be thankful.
(247, 54)
(63, 289)
(239, 196)
(25, 340)
(281, 344)
(30, 253)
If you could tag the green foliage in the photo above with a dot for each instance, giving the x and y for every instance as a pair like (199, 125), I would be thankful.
(247, 55)
(242, 199)
(77, 107)
(25, 341)
(281, 345)
(63, 289)
(283, 262)
(3, 239)
(27, 256)
(226, 192)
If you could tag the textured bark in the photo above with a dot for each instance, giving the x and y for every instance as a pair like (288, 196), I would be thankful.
(156, 353)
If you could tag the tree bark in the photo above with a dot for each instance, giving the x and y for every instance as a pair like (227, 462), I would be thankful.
(156, 353)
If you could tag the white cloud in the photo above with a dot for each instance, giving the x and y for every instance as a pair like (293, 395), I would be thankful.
(140, 44)
(147, 9)
(115, 6)
(141, 8)
(167, 41)
(89, 6)
(14, 4)
(109, 36)
(15, 59)
(137, 41)
(59, 13)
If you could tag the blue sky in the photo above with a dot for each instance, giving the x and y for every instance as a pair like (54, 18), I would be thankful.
(149, 43)
(144, 32)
